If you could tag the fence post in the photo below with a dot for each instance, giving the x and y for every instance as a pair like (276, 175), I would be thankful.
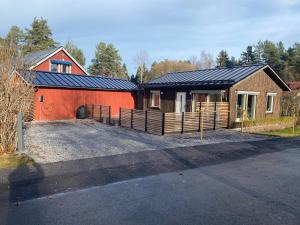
(100, 113)
(182, 122)
(146, 120)
(215, 115)
(109, 114)
(131, 123)
(199, 118)
(163, 124)
(21, 145)
(120, 116)
(93, 106)
(201, 130)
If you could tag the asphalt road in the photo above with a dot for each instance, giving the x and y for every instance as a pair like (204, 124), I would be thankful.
(241, 183)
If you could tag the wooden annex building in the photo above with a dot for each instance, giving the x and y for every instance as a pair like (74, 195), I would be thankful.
(255, 90)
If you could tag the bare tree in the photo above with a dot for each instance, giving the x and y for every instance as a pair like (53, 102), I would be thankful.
(141, 59)
(206, 61)
(15, 96)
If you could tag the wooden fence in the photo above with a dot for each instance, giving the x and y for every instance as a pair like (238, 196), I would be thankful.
(99, 112)
(207, 116)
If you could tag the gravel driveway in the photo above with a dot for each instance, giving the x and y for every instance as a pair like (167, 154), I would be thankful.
(67, 140)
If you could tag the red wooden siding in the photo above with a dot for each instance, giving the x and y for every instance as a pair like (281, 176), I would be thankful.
(60, 104)
(45, 66)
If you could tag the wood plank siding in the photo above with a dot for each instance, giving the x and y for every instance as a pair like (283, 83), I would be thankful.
(258, 82)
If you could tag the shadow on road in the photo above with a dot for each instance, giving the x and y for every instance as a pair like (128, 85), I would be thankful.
(24, 184)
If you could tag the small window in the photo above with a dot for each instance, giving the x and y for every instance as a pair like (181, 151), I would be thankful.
(270, 103)
(54, 67)
(65, 68)
(155, 99)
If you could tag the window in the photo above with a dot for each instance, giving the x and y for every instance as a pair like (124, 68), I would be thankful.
(60, 66)
(270, 102)
(246, 105)
(65, 69)
(54, 67)
(155, 99)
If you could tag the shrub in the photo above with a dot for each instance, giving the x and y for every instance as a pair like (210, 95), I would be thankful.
(15, 96)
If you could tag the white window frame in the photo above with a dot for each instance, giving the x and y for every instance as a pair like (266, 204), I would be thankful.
(152, 99)
(246, 94)
(50, 67)
(272, 102)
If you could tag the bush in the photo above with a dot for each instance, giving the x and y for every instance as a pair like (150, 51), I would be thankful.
(15, 96)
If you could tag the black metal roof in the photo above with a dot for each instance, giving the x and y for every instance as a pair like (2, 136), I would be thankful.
(73, 81)
(216, 76)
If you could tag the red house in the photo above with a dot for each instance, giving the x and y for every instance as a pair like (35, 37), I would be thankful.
(63, 85)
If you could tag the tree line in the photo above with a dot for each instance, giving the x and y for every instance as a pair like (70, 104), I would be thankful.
(108, 62)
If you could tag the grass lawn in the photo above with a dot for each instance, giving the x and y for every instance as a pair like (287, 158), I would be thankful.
(283, 133)
(10, 161)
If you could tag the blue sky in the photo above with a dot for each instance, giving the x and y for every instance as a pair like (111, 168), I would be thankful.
(166, 29)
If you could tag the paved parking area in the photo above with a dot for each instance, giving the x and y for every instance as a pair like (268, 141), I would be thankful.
(76, 139)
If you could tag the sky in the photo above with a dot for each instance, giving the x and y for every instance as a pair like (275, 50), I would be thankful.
(165, 29)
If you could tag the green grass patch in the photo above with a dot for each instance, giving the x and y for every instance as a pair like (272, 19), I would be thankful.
(283, 133)
(11, 161)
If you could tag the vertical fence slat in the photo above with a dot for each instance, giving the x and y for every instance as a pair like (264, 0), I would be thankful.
(120, 116)
(163, 124)
(93, 111)
(146, 120)
(215, 115)
(131, 122)
(109, 115)
(100, 117)
(199, 118)
(182, 122)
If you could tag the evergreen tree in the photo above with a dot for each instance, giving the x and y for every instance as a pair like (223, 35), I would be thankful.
(77, 53)
(38, 36)
(232, 62)
(222, 59)
(125, 72)
(146, 75)
(248, 56)
(15, 37)
(107, 61)
(133, 79)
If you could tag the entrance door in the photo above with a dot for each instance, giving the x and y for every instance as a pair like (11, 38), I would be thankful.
(180, 102)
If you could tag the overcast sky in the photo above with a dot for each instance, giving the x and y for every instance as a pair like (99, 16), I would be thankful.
(173, 29)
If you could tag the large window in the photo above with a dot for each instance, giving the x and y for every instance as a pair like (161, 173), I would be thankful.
(60, 66)
(155, 99)
(246, 106)
(270, 102)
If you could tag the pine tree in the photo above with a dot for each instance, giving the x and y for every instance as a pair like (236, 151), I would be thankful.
(38, 36)
(248, 56)
(124, 72)
(222, 59)
(107, 61)
(15, 37)
(77, 53)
